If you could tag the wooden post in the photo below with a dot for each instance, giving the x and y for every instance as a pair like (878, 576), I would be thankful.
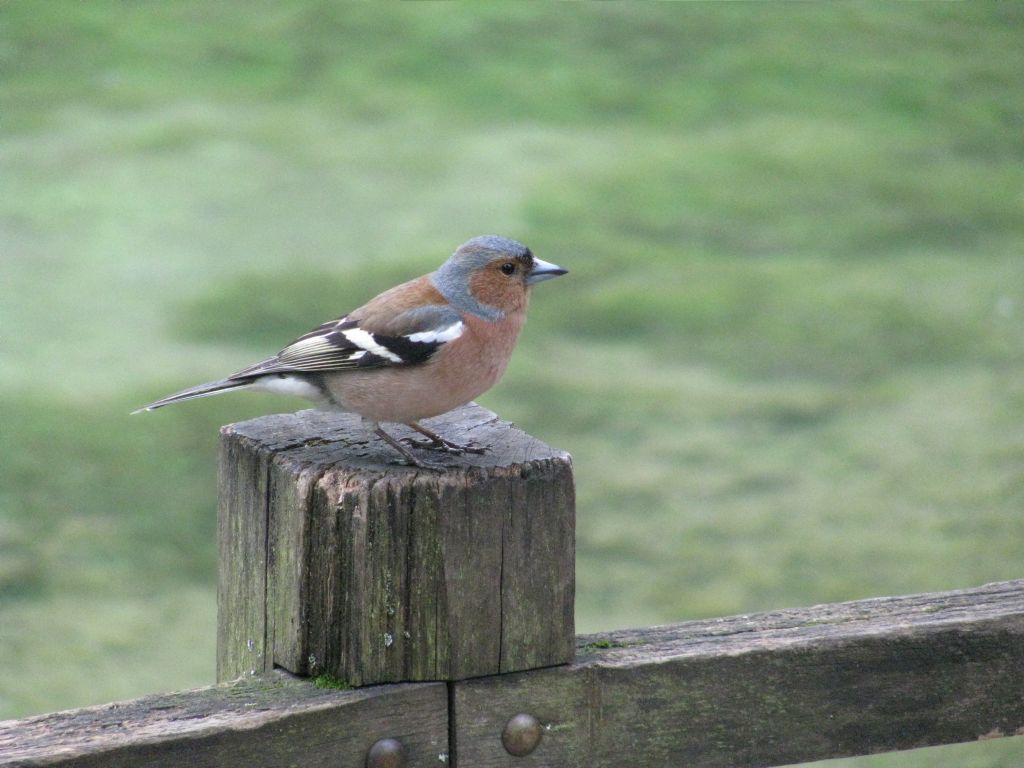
(335, 559)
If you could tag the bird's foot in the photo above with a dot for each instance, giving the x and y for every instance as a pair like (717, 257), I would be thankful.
(435, 442)
(442, 445)
(410, 458)
(421, 463)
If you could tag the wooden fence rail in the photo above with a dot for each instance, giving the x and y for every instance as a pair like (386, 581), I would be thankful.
(327, 550)
(759, 690)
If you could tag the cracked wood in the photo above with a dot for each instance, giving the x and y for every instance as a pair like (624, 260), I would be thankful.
(335, 559)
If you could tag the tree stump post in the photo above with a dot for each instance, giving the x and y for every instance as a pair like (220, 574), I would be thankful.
(334, 559)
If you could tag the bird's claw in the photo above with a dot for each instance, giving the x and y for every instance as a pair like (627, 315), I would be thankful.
(443, 445)
(413, 461)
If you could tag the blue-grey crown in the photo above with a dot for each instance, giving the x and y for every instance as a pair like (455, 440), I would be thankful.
(494, 244)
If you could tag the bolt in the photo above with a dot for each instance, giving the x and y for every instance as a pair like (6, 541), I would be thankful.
(522, 735)
(386, 753)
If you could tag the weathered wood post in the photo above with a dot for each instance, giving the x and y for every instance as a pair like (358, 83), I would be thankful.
(334, 559)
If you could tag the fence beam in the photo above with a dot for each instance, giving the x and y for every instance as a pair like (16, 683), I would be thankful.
(760, 690)
(768, 689)
(266, 721)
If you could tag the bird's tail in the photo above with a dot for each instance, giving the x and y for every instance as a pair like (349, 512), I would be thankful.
(200, 390)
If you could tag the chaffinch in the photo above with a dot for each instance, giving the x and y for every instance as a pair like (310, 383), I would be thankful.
(417, 350)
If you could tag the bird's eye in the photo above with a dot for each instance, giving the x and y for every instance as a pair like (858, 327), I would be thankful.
(508, 268)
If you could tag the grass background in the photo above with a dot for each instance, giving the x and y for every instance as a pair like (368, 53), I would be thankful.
(788, 360)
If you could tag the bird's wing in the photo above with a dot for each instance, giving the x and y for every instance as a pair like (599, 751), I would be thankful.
(353, 342)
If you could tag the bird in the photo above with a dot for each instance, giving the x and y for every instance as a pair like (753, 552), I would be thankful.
(420, 349)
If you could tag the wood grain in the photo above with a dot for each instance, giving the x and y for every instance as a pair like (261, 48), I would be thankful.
(241, 560)
(768, 689)
(335, 559)
(268, 721)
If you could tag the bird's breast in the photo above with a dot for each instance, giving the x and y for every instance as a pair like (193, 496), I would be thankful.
(462, 370)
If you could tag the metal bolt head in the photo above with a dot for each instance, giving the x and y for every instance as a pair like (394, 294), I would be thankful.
(522, 735)
(386, 753)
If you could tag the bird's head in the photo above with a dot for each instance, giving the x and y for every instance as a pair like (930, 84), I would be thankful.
(490, 276)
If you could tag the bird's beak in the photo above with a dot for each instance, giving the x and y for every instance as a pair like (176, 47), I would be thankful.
(543, 270)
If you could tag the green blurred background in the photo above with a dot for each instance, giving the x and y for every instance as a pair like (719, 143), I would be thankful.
(788, 360)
